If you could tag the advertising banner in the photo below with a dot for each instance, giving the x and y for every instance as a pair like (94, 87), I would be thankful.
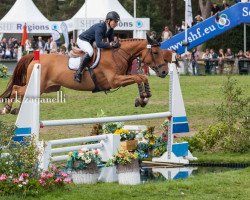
(210, 28)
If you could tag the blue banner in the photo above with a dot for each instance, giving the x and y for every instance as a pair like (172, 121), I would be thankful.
(209, 28)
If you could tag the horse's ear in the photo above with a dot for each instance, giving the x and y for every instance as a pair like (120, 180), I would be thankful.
(150, 41)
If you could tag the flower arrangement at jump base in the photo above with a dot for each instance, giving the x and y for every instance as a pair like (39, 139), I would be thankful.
(29, 185)
(84, 165)
(3, 71)
(128, 141)
(127, 167)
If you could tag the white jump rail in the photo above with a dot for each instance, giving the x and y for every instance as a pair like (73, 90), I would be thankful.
(104, 119)
(108, 144)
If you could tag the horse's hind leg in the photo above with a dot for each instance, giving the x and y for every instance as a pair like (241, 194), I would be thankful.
(16, 92)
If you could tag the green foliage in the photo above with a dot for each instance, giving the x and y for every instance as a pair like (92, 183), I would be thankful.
(159, 147)
(125, 134)
(232, 133)
(111, 127)
(16, 158)
(3, 71)
(235, 108)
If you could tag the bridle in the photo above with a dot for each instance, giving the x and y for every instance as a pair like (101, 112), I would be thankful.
(150, 51)
(129, 57)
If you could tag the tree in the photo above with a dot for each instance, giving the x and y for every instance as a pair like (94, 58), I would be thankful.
(205, 7)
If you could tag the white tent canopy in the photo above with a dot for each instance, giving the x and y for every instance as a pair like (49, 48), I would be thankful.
(99, 9)
(94, 11)
(24, 11)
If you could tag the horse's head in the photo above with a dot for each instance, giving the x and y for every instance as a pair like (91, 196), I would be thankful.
(153, 56)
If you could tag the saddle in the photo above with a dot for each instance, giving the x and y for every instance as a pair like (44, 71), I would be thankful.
(77, 52)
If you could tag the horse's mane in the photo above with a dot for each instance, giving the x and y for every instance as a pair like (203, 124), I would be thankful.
(131, 40)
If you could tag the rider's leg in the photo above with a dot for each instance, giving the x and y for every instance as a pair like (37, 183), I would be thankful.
(87, 48)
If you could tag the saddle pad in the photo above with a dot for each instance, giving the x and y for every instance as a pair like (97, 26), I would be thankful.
(74, 63)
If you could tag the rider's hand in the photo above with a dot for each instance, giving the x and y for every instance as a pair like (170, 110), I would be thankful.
(115, 44)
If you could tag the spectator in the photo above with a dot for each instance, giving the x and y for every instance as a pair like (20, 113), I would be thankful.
(153, 35)
(28, 46)
(47, 46)
(225, 5)
(197, 19)
(195, 55)
(4, 43)
(1, 52)
(215, 9)
(221, 57)
(8, 53)
(229, 56)
(71, 44)
(241, 56)
(206, 56)
(62, 50)
(247, 54)
(40, 44)
(178, 29)
(166, 34)
(213, 63)
(53, 46)
(183, 26)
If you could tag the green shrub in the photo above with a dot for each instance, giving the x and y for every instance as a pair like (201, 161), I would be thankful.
(232, 132)
(16, 158)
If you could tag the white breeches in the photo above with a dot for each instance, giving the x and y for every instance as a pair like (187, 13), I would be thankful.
(85, 46)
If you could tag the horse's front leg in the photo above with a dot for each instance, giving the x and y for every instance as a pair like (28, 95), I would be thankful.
(124, 80)
(145, 94)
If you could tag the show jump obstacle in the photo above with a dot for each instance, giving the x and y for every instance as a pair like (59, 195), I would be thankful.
(28, 123)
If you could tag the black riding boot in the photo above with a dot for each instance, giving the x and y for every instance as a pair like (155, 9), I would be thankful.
(84, 61)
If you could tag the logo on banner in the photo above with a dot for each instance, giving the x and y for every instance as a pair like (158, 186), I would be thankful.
(54, 27)
(223, 21)
(139, 23)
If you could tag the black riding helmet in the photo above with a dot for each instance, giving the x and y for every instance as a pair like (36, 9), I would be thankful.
(113, 16)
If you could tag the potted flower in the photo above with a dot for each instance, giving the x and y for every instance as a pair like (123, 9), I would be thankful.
(128, 141)
(127, 167)
(84, 165)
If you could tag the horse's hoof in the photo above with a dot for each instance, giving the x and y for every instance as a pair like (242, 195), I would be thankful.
(149, 94)
(14, 111)
(144, 102)
(4, 111)
(137, 102)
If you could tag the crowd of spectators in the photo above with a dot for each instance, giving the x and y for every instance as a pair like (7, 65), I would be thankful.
(216, 61)
(9, 47)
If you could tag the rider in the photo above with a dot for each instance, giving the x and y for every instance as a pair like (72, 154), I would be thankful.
(96, 33)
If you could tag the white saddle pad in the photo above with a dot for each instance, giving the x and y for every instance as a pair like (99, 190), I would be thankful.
(74, 63)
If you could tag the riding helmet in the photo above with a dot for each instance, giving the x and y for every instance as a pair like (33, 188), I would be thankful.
(113, 16)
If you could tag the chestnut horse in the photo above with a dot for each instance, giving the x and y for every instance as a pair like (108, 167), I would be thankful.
(111, 72)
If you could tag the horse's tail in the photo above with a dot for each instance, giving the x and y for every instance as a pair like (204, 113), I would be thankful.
(19, 75)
